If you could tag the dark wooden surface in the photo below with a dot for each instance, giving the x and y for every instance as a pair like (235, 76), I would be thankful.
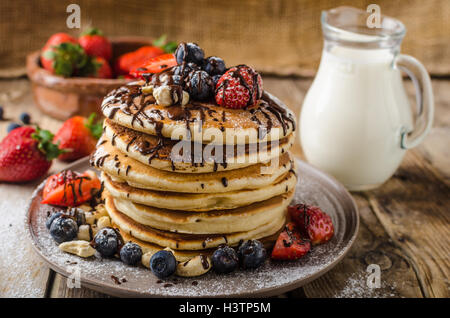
(404, 223)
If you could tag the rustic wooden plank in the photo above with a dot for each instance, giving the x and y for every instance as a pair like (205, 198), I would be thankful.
(413, 208)
(373, 246)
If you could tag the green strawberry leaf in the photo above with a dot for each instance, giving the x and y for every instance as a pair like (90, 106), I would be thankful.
(49, 54)
(162, 43)
(170, 47)
(46, 145)
(90, 67)
(68, 58)
(92, 31)
(96, 128)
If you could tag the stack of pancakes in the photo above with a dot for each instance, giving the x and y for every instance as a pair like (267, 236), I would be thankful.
(216, 190)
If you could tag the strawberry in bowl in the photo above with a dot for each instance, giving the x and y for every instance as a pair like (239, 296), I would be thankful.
(70, 75)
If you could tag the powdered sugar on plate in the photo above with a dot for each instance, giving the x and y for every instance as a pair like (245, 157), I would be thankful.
(22, 272)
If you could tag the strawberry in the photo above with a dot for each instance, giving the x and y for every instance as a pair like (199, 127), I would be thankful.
(95, 44)
(64, 59)
(132, 60)
(79, 136)
(26, 154)
(155, 65)
(239, 87)
(69, 188)
(290, 245)
(128, 61)
(312, 222)
(102, 68)
(59, 38)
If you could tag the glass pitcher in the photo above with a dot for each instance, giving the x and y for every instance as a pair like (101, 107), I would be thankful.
(356, 122)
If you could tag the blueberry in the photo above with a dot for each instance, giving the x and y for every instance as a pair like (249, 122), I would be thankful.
(200, 85)
(1, 112)
(163, 264)
(63, 229)
(189, 52)
(214, 65)
(131, 253)
(184, 69)
(225, 259)
(107, 241)
(25, 118)
(252, 254)
(12, 126)
(51, 218)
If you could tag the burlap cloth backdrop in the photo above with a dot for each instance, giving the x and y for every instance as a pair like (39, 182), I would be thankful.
(280, 37)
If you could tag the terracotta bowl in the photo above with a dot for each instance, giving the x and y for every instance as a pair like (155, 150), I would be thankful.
(61, 97)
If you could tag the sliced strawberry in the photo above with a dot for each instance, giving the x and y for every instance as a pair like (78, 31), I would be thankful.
(155, 65)
(290, 245)
(131, 60)
(70, 188)
(312, 222)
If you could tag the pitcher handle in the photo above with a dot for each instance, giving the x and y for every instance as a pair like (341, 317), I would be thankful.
(424, 97)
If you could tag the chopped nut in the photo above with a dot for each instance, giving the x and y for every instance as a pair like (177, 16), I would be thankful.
(185, 98)
(163, 95)
(147, 89)
(196, 266)
(146, 259)
(84, 232)
(93, 216)
(90, 218)
(80, 248)
(104, 221)
(94, 229)
(85, 207)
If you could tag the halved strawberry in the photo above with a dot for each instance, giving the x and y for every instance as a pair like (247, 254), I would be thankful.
(155, 65)
(290, 245)
(131, 60)
(69, 188)
(312, 222)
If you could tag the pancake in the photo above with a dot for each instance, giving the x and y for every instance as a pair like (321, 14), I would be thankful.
(179, 241)
(139, 175)
(219, 221)
(130, 107)
(199, 201)
(159, 152)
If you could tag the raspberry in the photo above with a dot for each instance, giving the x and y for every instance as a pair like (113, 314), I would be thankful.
(312, 222)
(239, 87)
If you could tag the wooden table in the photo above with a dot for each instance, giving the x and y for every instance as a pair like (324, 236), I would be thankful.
(404, 223)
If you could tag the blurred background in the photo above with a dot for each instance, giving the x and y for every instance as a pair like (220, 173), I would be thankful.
(281, 37)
